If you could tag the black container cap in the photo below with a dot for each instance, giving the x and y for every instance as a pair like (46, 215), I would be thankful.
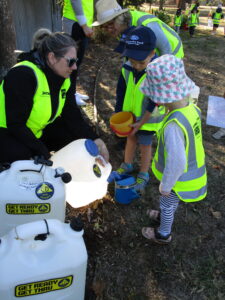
(66, 177)
(76, 224)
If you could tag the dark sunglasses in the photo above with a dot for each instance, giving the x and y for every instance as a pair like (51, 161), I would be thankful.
(70, 61)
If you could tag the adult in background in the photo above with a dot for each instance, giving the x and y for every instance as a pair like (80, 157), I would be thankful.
(77, 19)
(38, 113)
(115, 20)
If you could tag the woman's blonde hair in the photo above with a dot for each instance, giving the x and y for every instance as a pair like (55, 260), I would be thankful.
(57, 42)
(38, 36)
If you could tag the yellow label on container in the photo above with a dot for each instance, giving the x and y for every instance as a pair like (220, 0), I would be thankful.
(28, 209)
(41, 287)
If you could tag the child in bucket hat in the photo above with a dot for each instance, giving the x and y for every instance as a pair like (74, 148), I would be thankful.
(179, 161)
(139, 47)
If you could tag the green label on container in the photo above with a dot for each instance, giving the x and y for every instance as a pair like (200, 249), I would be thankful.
(45, 286)
(28, 209)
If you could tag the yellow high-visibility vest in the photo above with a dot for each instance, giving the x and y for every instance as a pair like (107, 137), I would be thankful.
(41, 111)
(88, 9)
(192, 184)
(136, 102)
(142, 18)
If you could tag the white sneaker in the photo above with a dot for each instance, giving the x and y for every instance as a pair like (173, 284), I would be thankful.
(79, 101)
(219, 134)
(82, 96)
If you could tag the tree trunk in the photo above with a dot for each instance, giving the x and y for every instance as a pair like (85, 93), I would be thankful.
(182, 4)
(161, 3)
(8, 38)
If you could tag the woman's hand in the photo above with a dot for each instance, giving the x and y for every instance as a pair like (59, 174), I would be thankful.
(102, 149)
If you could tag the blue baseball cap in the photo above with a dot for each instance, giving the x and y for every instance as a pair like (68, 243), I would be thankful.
(120, 47)
(139, 43)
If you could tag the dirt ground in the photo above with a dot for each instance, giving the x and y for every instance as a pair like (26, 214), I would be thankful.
(122, 265)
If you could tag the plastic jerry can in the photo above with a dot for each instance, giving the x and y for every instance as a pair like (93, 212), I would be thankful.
(45, 259)
(31, 191)
(89, 177)
(79, 159)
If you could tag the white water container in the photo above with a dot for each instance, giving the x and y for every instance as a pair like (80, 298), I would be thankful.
(89, 177)
(30, 192)
(53, 268)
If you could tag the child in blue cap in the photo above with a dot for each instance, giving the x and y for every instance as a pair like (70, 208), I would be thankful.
(139, 49)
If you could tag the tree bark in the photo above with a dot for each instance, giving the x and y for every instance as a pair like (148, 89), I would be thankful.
(161, 4)
(8, 37)
(182, 4)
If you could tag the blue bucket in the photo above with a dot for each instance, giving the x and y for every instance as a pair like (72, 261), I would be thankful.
(124, 189)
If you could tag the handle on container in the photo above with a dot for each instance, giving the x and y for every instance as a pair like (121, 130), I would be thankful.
(30, 230)
(4, 166)
(43, 161)
(25, 166)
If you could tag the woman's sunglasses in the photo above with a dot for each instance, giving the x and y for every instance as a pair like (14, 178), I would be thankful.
(70, 61)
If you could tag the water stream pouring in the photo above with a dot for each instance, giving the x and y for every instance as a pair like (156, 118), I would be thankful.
(29, 191)
(42, 260)
(89, 177)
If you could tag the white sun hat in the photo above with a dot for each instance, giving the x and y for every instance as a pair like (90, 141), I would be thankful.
(107, 10)
(166, 80)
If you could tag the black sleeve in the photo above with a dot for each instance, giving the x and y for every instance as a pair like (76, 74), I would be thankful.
(151, 106)
(120, 93)
(74, 121)
(19, 88)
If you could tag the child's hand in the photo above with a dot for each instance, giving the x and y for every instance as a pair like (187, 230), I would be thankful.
(135, 127)
(164, 193)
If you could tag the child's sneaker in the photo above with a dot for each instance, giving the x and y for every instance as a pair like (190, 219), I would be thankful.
(125, 168)
(141, 182)
(153, 235)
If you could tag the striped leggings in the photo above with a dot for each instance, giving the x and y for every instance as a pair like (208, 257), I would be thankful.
(168, 206)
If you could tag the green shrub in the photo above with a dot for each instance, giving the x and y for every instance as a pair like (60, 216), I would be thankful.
(163, 16)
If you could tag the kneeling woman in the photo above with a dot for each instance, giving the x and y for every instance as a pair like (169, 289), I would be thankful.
(38, 112)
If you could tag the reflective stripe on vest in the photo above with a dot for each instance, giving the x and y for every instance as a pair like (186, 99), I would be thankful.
(88, 9)
(141, 18)
(136, 102)
(216, 18)
(192, 184)
(41, 111)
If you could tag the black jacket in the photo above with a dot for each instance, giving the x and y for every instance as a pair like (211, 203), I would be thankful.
(19, 88)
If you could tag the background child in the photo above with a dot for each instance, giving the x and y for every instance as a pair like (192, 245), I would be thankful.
(179, 161)
(193, 21)
(139, 49)
(177, 20)
(216, 17)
